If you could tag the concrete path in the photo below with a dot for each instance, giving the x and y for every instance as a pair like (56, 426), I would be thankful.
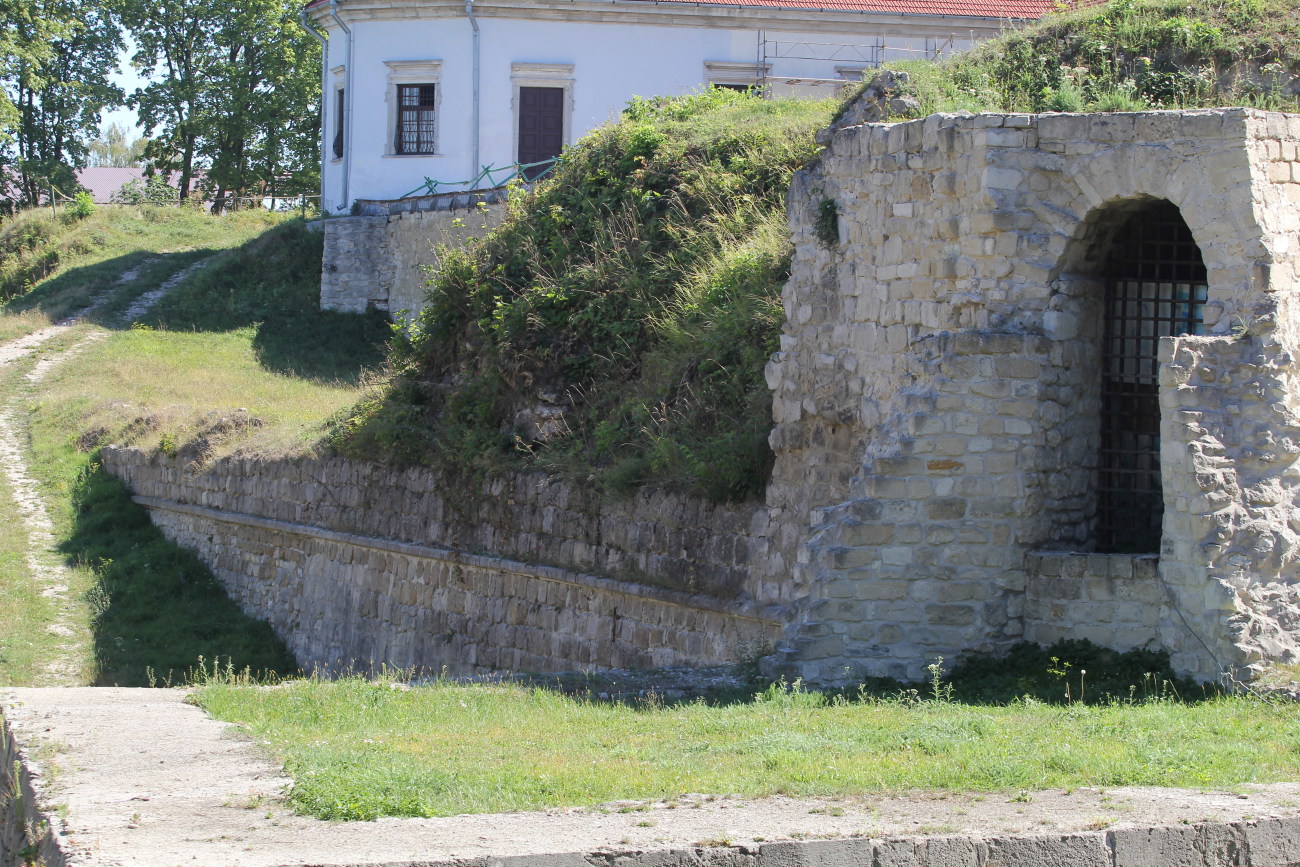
(139, 777)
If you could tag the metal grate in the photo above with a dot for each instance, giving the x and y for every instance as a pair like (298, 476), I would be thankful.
(1156, 288)
(416, 118)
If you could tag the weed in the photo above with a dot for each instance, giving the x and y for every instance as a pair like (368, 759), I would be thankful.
(826, 225)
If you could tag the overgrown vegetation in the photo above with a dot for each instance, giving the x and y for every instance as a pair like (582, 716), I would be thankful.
(616, 326)
(1126, 55)
(359, 749)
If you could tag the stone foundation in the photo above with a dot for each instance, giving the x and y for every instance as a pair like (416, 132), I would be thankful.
(384, 257)
(936, 396)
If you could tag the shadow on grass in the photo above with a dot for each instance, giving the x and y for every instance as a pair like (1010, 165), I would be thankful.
(71, 290)
(1069, 672)
(156, 609)
(273, 283)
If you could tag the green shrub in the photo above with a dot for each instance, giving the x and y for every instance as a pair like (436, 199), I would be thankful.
(82, 206)
(153, 190)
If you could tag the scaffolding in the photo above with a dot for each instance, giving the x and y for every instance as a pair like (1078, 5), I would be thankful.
(853, 55)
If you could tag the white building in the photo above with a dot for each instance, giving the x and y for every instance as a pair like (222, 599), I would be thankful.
(438, 89)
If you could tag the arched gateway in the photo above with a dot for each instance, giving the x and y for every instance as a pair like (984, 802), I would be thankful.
(1155, 286)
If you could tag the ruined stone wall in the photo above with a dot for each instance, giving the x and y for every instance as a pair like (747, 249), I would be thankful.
(356, 563)
(936, 394)
(383, 257)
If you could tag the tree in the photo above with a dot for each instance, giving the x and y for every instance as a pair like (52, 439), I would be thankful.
(174, 39)
(56, 59)
(237, 92)
(113, 149)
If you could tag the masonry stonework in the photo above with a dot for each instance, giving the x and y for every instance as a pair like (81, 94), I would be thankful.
(936, 395)
(383, 257)
(355, 564)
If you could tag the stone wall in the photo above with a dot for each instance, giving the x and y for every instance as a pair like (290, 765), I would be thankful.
(384, 256)
(936, 394)
(1113, 600)
(355, 564)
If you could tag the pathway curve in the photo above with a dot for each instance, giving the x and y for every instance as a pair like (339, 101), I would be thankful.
(44, 565)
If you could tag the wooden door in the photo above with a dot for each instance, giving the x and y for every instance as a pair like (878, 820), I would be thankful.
(541, 126)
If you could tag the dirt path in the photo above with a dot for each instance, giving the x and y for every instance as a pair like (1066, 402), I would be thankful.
(44, 565)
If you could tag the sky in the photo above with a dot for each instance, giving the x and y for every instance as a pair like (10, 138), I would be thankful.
(128, 79)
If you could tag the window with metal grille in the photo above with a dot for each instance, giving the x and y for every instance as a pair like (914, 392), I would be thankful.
(1156, 288)
(415, 118)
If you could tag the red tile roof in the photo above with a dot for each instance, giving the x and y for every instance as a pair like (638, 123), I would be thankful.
(979, 8)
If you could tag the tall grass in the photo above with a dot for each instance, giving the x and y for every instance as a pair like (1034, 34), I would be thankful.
(1125, 55)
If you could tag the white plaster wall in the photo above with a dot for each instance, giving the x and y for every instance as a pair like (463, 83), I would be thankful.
(611, 63)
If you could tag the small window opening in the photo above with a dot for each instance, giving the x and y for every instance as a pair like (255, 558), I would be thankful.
(339, 104)
(1156, 287)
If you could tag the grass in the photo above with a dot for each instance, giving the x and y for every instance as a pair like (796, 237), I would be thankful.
(24, 652)
(360, 749)
(201, 394)
(1125, 55)
(54, 265)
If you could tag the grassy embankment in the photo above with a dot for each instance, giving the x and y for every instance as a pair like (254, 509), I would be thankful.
(236, 356)
(638, 290)
(1126, 55)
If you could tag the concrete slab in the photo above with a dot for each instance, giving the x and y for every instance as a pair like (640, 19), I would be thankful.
(139, 777)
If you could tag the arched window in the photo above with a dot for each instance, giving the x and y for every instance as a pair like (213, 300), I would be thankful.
(1155, 287)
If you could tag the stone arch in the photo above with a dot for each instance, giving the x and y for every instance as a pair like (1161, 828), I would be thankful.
(1231, 239)
(1107, 319)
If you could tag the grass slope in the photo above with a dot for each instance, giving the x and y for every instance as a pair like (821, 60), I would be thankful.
(637, 291)
(223, 372)
(53, 265)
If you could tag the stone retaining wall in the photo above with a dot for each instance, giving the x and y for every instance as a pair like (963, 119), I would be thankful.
(29, 831)
(354, 564)
(384, 257)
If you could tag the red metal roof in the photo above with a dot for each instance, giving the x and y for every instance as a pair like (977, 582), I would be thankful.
(980, 8)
